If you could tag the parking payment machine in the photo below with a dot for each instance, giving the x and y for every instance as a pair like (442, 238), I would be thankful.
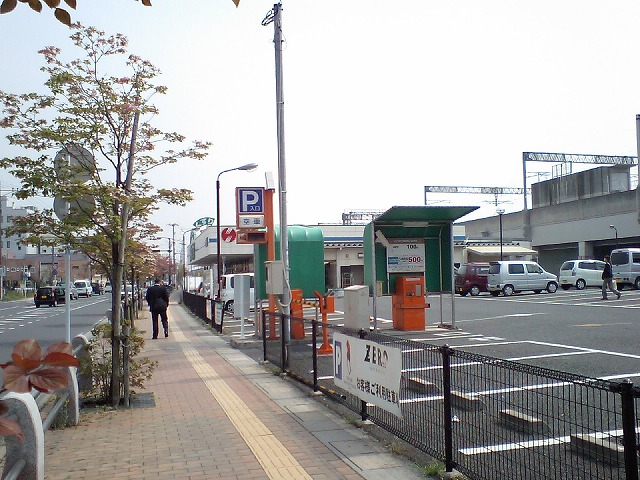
(408, 303)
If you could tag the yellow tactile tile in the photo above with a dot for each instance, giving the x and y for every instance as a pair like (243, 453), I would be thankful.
(276, 460)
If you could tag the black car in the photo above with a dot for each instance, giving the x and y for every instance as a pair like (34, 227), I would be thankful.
(98, 288)
(51, 296)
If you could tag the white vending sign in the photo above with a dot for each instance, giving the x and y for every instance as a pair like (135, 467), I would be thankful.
(369, 370)
(405, 257)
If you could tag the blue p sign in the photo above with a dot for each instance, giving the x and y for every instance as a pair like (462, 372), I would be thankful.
(250, 200)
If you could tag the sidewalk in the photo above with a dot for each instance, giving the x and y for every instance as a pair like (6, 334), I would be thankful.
(212, 412)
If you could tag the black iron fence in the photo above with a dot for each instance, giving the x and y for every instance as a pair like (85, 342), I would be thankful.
(206, 309)
(486, 417)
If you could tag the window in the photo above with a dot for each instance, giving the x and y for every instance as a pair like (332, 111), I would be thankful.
(516, 268)
(567, 266)
(8, 244)
(636, 258)
(587, 265)
(533, 268)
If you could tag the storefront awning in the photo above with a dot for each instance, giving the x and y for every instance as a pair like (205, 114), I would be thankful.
(492, 250)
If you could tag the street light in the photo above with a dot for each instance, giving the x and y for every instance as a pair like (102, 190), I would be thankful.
(612, 226)
(500, 212)
(249, 167)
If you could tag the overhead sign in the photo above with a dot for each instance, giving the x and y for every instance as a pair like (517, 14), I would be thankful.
(79, 158)
(369, 370)
(201, 222)
(250, 200)
(406, 256)
(250, 207)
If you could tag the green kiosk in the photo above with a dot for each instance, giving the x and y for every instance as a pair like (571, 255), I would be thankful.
(408, 252)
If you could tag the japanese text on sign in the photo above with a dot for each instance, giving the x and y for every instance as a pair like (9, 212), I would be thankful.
(405, 257)
(368, 370)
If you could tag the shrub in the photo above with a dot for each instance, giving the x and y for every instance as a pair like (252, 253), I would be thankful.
(97, 365)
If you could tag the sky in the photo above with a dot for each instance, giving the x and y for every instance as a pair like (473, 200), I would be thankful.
(380, 98)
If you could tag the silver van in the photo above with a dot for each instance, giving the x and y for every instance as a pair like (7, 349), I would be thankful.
(625, 263)
(510, 277)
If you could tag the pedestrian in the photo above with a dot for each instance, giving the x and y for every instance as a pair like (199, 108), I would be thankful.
(607, 280)
(157, 297)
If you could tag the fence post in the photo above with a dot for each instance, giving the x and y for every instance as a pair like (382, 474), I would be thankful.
(629, 430)
(364, 415)
(264, 334)
(446, 351)
(31, 450)
(74, 397)
(283, 345)
(314, 346)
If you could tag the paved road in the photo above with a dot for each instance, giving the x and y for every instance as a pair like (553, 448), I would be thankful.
(21, 319)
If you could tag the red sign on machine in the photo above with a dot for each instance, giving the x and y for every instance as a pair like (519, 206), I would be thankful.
(228, 235)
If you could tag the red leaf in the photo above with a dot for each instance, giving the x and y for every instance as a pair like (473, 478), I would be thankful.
(3, 408)
(63, 347)
(59, 359)
(47, 379)
(237, 2)
(146, 3)
(8, 5)
(10, 427)
(16, 379)
(28, 349)
(71, 3)
(52, 3)
(62, 16)
(35, 5)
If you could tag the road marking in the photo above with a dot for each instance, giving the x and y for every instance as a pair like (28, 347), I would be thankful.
(276, 460)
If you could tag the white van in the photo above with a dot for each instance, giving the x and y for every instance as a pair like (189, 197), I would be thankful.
(625, 263)
(510, 277)
(83, 287)
(226, 291)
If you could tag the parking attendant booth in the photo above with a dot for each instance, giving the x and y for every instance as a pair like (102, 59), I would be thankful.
(413, 242)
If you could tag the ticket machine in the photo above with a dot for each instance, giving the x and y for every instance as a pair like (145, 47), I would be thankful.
(409, 304)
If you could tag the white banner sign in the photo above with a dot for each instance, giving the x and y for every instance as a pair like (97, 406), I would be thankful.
(368, 370)
(405, 257)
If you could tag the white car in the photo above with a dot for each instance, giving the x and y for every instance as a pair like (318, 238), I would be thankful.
(108, 288)
(581, 274)
(83, 287)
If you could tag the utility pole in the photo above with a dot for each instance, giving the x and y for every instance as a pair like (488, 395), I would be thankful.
(173, 258)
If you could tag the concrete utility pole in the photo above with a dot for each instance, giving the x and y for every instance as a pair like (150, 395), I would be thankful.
(275, 16)
(173, 258)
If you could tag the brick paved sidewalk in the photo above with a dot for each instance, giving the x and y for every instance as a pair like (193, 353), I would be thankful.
(211, 412)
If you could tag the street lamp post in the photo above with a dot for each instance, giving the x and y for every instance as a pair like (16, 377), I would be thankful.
(616, 230)
(174, 271)
(248, 167)
(500, 212)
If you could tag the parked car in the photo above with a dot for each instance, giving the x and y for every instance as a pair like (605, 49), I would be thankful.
(625, 263)
(581, 274)
(84, 288)
(512, 276)
(73, 291)
(107, 287)
(472, 278)
(227, 291)
(97, 288)
(52, 295)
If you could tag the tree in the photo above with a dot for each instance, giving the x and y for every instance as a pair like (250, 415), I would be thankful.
(88, 114)
(60, 13)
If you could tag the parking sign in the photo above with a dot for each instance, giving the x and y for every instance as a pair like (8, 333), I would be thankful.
(249, 207)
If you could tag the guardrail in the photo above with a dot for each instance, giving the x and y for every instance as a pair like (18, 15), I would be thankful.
(25, 459)
(486, 417)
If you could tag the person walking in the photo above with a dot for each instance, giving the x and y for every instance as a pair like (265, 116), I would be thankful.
(607, 280)
(157, 297)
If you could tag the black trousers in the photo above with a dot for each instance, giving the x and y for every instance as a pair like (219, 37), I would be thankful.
(165, 321)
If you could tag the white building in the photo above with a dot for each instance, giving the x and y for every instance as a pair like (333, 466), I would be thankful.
(11, 246)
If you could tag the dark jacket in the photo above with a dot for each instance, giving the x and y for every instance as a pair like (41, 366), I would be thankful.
(607, 272)
(157, 297)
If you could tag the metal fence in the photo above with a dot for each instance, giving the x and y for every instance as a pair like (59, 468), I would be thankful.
(486, 417)
(205, 309)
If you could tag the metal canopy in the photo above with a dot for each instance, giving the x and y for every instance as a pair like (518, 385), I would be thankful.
(403, 216)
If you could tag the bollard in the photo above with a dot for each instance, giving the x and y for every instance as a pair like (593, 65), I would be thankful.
(325, 348)
(297, 326)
